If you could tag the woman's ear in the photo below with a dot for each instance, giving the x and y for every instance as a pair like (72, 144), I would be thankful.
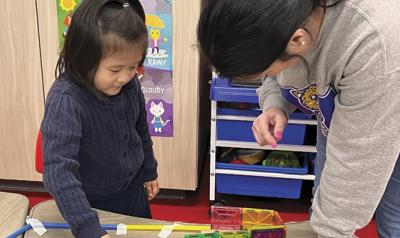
(300, 43)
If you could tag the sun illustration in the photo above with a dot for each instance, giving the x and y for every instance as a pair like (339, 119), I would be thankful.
(68, 5)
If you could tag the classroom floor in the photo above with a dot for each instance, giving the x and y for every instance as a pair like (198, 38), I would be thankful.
(195, 207)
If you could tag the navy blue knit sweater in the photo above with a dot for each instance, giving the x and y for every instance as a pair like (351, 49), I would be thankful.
(93, 146)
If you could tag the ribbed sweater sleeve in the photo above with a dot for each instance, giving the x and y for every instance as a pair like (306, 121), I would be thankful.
(62, 131)
(150, 163)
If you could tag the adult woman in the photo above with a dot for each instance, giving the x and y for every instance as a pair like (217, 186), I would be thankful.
(340, 61)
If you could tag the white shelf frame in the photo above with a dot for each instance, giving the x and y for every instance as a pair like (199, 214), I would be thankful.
(264, 174)
(251, 145)
(247, 118)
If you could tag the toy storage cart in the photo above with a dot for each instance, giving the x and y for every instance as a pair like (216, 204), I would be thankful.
(232, 128)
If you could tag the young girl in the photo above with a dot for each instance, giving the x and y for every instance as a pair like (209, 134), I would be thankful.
(97, 148)
(336, 59)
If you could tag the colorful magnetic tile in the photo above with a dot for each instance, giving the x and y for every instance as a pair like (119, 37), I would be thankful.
(226, 218)
(259, 217)
(269, 233)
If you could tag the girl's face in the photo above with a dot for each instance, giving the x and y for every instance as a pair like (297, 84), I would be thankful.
(116, 70)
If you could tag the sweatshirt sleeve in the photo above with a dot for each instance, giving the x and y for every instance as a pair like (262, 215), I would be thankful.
(269, 95)
(62, 129)
(150, 163)
(362, 146)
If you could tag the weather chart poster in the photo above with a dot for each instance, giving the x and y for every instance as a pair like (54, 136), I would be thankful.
(156, 75)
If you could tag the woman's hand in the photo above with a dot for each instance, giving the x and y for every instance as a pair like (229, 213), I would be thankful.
(269, 126)
(152, 188)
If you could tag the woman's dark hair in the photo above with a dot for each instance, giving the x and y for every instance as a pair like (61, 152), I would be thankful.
(96, 30)
(242, 38)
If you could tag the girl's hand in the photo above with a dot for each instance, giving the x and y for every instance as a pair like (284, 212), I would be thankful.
(152, 188)
(269, 126)
(106, 236)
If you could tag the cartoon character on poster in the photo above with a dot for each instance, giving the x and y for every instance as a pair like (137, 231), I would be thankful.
(157, 110)
(158, 55)
(155, 24)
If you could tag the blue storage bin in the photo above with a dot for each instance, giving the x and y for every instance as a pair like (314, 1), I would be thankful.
(222, 91)
(260, 186)
(241, 130)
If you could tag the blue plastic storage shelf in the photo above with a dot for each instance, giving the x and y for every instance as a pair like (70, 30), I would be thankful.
(237, 127)
(260, 186)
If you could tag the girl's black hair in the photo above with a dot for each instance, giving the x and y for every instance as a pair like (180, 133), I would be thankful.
(87, 38)
(242, 38)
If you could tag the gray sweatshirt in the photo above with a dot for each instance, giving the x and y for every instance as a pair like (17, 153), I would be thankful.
(352, 84)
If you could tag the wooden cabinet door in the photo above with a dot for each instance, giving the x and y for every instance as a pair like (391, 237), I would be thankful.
(21, 89)
(178, 156)
(49, 49)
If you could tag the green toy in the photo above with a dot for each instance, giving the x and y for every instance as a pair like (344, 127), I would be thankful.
(227, 234)
(236, 234)
(281, 159)
(203, 235)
